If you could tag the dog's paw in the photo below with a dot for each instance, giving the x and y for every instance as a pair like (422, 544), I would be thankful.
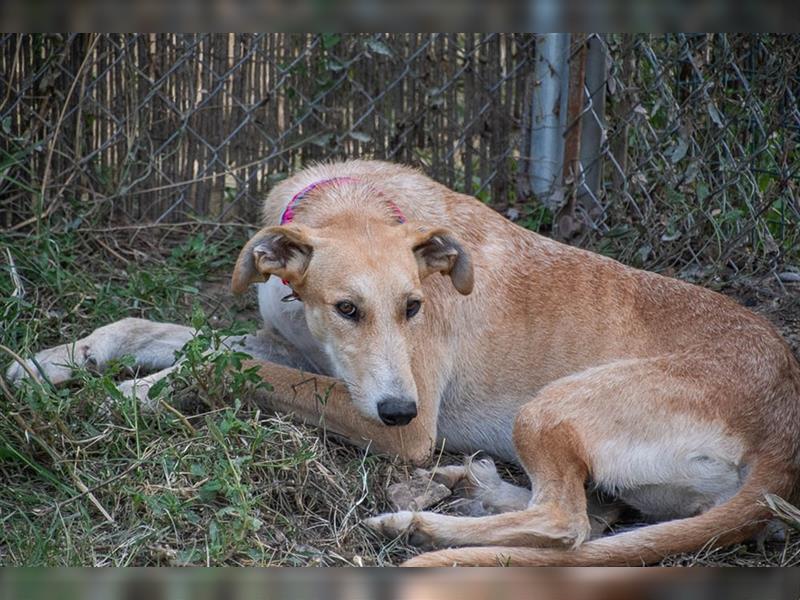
(17, 372)
(474, 485)
(563, 530)
(401, 523)
(416, 527)
(391, 524)
(137, 390)
(465, 478)
(55, 365)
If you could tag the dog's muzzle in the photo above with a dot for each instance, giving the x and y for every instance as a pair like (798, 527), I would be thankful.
(397, 411)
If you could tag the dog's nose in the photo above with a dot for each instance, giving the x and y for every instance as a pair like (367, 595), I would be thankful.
(397, 411)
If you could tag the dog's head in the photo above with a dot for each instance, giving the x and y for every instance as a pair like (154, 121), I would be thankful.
(360, 285)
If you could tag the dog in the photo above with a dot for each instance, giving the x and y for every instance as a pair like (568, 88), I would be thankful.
(425, 319)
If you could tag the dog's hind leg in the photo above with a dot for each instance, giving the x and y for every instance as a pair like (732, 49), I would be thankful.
(480, 490)
(555, 514)
(152, 346)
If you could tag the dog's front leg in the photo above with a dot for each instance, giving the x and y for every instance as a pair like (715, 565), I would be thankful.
(152, 346)
(324, 401)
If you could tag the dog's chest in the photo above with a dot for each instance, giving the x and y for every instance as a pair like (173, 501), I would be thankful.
(468, 424)
(289, 320)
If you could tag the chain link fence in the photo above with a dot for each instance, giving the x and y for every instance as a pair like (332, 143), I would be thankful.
(693, 163)
(673, 152)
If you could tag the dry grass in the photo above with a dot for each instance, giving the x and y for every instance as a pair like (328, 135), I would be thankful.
(214, 484)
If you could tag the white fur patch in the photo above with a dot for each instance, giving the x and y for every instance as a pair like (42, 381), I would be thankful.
(671, 468)
(290, 321)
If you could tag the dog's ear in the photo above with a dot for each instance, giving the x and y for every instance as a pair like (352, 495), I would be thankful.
(438, 250)
(283, 251)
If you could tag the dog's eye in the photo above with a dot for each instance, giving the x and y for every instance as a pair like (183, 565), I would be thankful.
(412, 308)
(348, 310)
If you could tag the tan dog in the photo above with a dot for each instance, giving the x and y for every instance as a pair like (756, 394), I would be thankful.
(674, 398)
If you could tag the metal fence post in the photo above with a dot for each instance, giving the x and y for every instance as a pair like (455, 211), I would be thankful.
(548, 118)
(594, 123)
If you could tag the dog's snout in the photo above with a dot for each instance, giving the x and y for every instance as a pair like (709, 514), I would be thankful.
(397, 411)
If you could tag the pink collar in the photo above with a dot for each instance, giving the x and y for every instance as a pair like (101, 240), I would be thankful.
(287, 216)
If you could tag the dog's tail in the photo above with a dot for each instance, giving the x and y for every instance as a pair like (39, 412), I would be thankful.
(730, 522)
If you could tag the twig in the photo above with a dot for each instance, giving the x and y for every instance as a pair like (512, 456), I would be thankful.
(111, 251)
(181, 417)
(5, 389)
(782, 509)
(85, 490)
(223, 173)
(19, 290)
(38, 218)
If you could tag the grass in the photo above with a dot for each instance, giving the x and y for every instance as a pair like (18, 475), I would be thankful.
(222, 484)
(215, 482)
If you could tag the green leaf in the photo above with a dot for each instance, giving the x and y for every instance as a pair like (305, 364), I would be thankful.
(702, 191)
(714, 114)
(671, 234)
(618, 231)
(210, 489)
(213, 532)
(679, 151)
(333, 64)
(157, 388)
(378, 47)
(323, 139)
(112, 390)
(643, 253)
(360, 136)
(189, 556)
(329, 40)
(198, 318)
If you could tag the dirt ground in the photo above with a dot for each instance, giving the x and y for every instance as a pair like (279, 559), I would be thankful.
(777, 301)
